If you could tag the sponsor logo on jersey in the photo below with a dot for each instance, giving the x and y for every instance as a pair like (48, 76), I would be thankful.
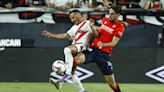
(108, 29)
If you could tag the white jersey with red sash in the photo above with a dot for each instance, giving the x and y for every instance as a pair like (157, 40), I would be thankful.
(80, 34)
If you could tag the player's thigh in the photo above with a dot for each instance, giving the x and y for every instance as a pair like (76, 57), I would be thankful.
(80, 47)
(85, 57)
(73, 49)
(104, 65)
(80, 58)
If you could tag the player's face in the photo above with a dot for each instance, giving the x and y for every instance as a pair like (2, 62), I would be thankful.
(85, 16)
(113, 16)
(74, 18)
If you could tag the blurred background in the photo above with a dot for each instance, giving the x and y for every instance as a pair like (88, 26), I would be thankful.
(26, 56)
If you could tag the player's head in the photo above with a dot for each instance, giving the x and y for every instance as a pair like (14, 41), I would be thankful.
(114, 13)
(85, 15)
(75, 16)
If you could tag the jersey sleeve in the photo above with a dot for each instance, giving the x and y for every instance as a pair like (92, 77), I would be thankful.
(86, 27)
(71, 31)
(120, 31)
(102, 22)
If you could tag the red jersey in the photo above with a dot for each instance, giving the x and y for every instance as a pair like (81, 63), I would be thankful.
(107, 31)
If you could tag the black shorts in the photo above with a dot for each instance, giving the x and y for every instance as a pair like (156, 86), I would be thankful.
(102, 59)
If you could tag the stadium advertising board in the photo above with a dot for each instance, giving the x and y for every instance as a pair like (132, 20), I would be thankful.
(10, 42)
(156, 74)
(16, 43)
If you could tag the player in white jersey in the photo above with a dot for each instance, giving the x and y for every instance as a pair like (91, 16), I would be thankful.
(80, 33)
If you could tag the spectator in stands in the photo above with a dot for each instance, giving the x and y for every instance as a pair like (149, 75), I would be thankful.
(31, 3)
(9, 4)
(37, 3)
(130, 4)
(153, 4)
(61, 4)
(84, 3)
(102, 4)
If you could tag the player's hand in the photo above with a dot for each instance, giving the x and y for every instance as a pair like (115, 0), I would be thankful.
(92, 22)
(100, 44)
(46, 33)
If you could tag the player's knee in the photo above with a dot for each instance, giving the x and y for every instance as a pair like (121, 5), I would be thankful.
(67, 50)
(79, 60)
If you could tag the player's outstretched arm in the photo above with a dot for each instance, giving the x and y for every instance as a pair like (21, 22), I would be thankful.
(94, 29)
(52, 35)
(113, 43)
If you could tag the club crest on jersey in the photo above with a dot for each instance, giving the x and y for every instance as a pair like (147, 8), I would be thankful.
(108, 29)
(114, 26)
(105, 22)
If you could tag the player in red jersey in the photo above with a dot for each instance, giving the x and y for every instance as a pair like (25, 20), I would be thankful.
(107, 36)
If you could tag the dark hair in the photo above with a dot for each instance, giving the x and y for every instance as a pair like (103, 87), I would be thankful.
(117, 9)
(74, 11)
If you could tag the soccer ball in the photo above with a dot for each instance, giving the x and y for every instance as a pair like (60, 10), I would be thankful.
(59, 66)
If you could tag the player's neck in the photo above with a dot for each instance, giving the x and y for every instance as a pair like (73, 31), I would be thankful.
(80, 21)
(114, 21)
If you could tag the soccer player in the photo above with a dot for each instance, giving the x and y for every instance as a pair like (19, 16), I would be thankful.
(107, 36)
(80, 32)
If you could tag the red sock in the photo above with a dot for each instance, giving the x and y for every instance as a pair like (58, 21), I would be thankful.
(117, 89)
(74, 64)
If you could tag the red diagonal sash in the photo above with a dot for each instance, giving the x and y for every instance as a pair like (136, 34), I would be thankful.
(82, 34)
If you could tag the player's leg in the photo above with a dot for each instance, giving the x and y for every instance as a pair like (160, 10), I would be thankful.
(55, 83)
(110, 79)
(76, 81)
(104, 63)
(68, 52)
(81, 58)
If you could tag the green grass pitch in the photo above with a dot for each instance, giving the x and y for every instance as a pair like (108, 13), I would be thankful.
(91, 87)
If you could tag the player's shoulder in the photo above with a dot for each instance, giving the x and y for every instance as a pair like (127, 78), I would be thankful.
(120, 26)
(87, 21)
(73, 27)
(105, 18)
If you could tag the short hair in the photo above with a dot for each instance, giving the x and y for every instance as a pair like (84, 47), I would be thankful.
(74, 11)
(117, 9)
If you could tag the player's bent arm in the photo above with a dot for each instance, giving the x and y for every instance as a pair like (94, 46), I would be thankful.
(52, 35)
(113, 43)
(60, 36)
(95, 31)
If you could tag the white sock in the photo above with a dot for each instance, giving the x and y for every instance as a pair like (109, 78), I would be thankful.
(68, 60)
(76, 81)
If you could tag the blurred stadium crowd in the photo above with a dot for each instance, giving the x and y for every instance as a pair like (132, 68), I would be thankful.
(95, 4)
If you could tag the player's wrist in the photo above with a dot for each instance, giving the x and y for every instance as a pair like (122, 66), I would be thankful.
(93, 27)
